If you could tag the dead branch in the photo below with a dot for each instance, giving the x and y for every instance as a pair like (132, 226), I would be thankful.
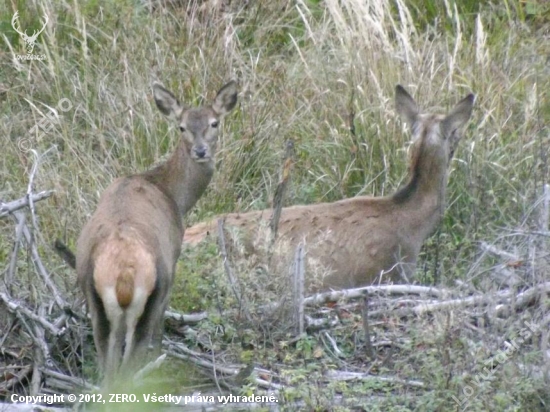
(12, 268)
(150, 367)
(299, 271)
(493, 250)
(278, 198)
(229, 272)
(325, 297)
(544, 213)
(10, 207)
(199, 360)
(522, 299)
(334, 345)
(366, 326)
(347, 376)
(60, 301)
(185, 317)
(423, 309)
(42, 354)
(74, 382)
(15, 378)
(19, 309)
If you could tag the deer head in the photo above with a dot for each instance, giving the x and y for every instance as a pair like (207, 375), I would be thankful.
(29, 40)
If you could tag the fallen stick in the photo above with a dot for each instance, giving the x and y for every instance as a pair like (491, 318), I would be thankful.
(235, 286)
(347, 376)
(523, 299)
(62, 303)
(12, 269)
(299, 276)
(10, 207)
(76, 383)
(197, 358)
(388, 289)
(493, 250)
(18, 308)
(453, 303)
(150, 367)
(186, 318)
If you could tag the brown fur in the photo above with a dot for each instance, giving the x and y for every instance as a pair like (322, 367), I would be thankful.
(127, 252)
(366, 239)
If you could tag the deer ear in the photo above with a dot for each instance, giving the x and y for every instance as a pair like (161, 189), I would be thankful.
(406, 106)
(226, 99)
(167, 103)
(458, 116)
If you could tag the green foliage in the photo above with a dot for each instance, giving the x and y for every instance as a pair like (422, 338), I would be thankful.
(192, 293)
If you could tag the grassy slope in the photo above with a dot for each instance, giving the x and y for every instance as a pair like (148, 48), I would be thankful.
(304, 68)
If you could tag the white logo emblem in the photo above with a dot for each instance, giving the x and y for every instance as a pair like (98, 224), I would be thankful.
(30, 41)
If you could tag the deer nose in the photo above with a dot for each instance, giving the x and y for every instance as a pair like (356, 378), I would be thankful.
(200, 151)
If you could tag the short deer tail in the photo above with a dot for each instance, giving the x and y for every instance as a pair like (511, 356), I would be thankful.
(125, 286)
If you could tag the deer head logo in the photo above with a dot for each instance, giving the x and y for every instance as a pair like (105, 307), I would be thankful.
(29, 40)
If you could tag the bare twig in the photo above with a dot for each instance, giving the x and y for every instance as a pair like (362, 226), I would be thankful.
(453, 303)
(186, 318)
(299, 270)
(60, 301)
(388, 289)
(226, 266)
(18, 308)
(347, 376)
(366, 327)
(545, 208)
(18, 375)
(278, 198)
(498, 252)
(334, 345)
(199, 360)
(229, 272)
(37, 159)
(521, 300)
(41, 354)
(10, 207)
(75, 383)
(10, 274)
(150, 367)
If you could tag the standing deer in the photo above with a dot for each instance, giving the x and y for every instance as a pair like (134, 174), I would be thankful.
(360, 239)
(29, 40)
(127, 252)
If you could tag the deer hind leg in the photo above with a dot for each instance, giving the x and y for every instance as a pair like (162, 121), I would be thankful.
(101, 327)
(133, 315)
(115, 315)
(150, 328)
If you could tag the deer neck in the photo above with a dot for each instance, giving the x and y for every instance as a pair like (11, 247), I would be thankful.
(182, 178)
(423, 197)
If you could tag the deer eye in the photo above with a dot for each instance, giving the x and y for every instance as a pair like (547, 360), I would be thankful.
(182, 129)
(214, 124)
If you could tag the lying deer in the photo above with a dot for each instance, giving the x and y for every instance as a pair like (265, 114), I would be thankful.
(360, 239)
(127, 252)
